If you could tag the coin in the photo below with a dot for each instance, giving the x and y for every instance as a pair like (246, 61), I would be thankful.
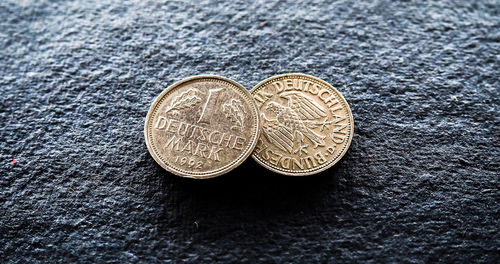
(202, 126)
(307, 125)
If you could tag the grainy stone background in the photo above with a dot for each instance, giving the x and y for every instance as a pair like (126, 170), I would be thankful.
(419, 184)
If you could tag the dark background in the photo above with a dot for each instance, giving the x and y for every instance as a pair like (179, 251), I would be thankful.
(420, 182)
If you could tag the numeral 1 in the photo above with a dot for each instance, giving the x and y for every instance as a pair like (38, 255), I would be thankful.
(213, 95)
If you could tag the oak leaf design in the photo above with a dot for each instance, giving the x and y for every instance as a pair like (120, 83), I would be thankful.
(185, 100)
(235, 111)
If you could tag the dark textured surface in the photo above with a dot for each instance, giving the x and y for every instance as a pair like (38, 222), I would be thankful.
(420, 182)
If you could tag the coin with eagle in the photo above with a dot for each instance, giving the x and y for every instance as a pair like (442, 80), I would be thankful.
(202, 126)
(307, 125)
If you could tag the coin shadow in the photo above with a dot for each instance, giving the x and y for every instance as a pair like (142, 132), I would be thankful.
(251, 191)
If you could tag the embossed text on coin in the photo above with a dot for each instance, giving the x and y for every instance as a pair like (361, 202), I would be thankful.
(202, 126)
(307, 124)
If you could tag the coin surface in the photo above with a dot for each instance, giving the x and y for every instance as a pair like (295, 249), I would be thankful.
(307, 125)
(202, 126)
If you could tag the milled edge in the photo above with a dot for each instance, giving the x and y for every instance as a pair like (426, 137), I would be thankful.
(203, 175)
(326, 165)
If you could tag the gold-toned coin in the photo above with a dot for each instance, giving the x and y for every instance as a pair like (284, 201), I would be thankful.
(202, 126)
(307, 126)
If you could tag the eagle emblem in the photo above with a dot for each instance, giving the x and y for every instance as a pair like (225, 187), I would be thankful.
(293, 125)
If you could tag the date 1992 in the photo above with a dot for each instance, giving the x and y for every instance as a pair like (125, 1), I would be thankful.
(191, 162)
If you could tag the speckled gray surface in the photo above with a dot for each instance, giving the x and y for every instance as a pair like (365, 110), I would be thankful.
(419, 184)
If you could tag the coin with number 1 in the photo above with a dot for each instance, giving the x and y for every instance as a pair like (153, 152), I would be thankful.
(202, 126)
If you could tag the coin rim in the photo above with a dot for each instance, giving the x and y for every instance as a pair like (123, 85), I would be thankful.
(214, 173)
(332, 162)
